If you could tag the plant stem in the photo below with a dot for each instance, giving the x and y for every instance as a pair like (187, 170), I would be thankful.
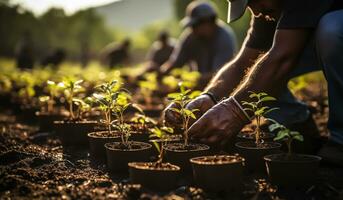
(258, 131)
(289, 147)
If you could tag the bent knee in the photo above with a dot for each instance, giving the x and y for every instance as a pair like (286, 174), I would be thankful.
(330, 28)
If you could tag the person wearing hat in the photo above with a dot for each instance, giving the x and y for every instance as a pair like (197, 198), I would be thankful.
(206, 44)
(286, 39)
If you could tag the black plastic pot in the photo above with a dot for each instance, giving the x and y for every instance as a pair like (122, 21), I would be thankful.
(253, 155)
(46, 120)
(218, 173)
(292, 171)
(97, 141)
(179, 156)
(244, 137)
(153, 178)
(118, 158)
(74, 133)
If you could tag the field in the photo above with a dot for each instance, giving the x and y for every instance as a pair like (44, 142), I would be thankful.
(36, 164)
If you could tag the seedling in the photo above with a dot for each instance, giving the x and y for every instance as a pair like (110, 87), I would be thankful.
(161, 140)
(148, 86)
(121, 104)
(27, 84)
(181, 99)
(257, 108)
(285, 134)
(71, 88)
(52, 89)
(185, 75)
(143, 120)
(84, 106)
(114, 100)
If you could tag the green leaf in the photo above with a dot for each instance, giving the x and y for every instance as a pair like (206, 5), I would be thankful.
(281, 135)
(299, 138)
(50, 82)
(267, 98)
(261, 111)
(175, 110)
(157, 146)
(270, 110)
(189, 113)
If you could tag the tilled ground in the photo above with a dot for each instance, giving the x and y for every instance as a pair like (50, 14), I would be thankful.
(34, 165)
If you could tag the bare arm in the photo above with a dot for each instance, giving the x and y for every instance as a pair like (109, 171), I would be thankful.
(270, 72)
(229, 76)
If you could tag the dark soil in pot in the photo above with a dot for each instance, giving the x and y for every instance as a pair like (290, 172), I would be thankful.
(97, 141)
(250, 136)
(180, 155)
(162, 177)
(118, 155)
(218, 173)
(74, 133)
(253, 155)
(46, 119)
(292, 171)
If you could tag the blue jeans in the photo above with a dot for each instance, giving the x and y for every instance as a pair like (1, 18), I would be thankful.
(323, 52)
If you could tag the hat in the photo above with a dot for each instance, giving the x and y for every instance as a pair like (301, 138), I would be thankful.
(236, 9)
(197, 11)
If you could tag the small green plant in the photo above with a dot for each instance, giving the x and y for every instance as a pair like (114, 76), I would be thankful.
(71, 88)
(185, 75)
(285, 134)
(143, 120)
(161, 139)
(84, 106)
(53, 89)
(181, 99)
(27, 84)
(148, 86)
(256, 107)
(121, 104)
(114, 100)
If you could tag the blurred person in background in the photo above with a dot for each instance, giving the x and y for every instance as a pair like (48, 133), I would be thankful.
(25, 52)
(116, 54)
(160, 51)
(55, 58)
(206, 44)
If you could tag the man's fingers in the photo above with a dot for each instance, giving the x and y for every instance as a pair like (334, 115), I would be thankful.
(199, 129)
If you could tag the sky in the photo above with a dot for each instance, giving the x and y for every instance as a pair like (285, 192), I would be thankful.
(70, 6)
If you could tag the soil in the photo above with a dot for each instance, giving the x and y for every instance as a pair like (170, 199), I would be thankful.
(180, 147)
(252, 145)
(34, 165)
(217, 159)
(76, 121)
(251, 135)
(104, 134)
(132, 146)
(292, 158)
(155, 166)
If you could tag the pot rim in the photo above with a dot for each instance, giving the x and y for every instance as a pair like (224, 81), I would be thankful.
(194, 160)
(148, 146)
(134, 165)
(206, 147)
(91, 134)
(76, 122)
(268, 158)
(268, 134)
(238, 144)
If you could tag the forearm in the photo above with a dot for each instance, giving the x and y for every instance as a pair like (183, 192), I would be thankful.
(269, 75)
(270, 72)
(229, 77)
